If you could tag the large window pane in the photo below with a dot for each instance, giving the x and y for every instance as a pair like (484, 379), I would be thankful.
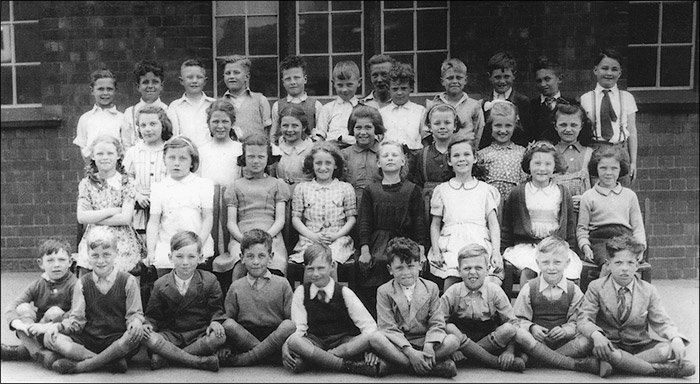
(6, 89)
(398, 4)
(429, 69)
(432, 29)
(406, 58)
(677, 23)
(262, 35)
(230, 8)
(644, 23)
(27, 43)
(675, 66)
(347, 33)
(313, 6)
(27, 10)
(318, 76)
(313, 34)
(264, 75)
(346, 5)
(642, 71)
(28, 84)
(398, 31)
(262, 7)
(5, 13)
(230, 35)
(428, 4)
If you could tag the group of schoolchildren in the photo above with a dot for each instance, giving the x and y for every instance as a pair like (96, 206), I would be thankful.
(224, 198)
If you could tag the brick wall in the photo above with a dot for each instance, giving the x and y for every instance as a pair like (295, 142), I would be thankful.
(41, 167)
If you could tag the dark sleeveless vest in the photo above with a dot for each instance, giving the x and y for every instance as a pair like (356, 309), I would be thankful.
(546, 313)
(105, 313)
(326, 319)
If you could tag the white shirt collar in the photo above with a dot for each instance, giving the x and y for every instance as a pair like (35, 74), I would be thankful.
(543, 98)
(561, 284)
(613, 91)
(549, 189)
(109, 278)
(352, 101)
(113, 109)
(303, 97)
(182, 282)
(507, 94)
(329, 289)
(169, 181)
(606, 191)
(443, 97)
(251, 280)
(617, 286)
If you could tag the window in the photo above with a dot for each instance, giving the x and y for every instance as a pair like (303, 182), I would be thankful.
(417, 33)
(325, 32)
(662, 45)
(249, 28)
(329, 32)
(21, 54)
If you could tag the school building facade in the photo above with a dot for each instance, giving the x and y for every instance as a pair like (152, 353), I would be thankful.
(50, 48)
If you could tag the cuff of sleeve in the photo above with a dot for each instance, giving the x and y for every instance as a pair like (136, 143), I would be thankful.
(583, 242)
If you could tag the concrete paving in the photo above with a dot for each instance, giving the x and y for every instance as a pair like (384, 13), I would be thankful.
(681, 298)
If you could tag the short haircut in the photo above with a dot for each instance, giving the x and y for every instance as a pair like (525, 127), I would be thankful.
(473, 250)
(225, 106)
(256, 236)
(504, 108)
(404, 249)
(366, 112)
(256, 138)
(623, 243)
(167, 131)
(401, 73)
(608, 52)
(101, 236)
(183, 239)
(346, 70)
(102, 74)
(293, 61)
(544, 62)
(454, 64)
(553, 244)
(297, 112)
(193, 63)
(144, 66)
(316, 250)
(181, 141)
(543, 146)
(53, 245)
(330, 148)
(611, 151)
(585, 136)
(237, 59)
(443, 107)
(502, 60)
(379, 59)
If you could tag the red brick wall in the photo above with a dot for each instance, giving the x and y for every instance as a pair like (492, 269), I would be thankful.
(41, 167)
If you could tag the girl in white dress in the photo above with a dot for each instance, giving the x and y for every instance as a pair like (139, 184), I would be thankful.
(464, 210)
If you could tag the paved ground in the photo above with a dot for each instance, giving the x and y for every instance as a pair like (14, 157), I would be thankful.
(680, 296)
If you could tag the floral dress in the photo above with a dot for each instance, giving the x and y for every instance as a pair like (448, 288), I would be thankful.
(114, 192)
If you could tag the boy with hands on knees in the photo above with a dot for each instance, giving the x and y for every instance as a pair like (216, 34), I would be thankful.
(547, 308)
(480, 315)
(618, 311)
(42, 306)
(105, 325)
(185, 312)
(333, 327)
(258, 307)
(412, 327)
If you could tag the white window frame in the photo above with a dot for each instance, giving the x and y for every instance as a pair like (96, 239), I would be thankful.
(13, 59)
(415, 9)
(245, 16)
(659, 44)
(330, 12)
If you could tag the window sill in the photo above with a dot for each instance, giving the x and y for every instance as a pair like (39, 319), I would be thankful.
(47, 116)
(666, 101)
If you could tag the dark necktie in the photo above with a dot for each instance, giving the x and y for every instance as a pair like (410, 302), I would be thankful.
(550, 102)
(321, 295)
(607, 116)
(623, 305)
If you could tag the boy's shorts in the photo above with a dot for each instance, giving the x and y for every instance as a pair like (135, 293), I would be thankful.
(637, 348)
(331, 341)
(183, 339)
(98, 345)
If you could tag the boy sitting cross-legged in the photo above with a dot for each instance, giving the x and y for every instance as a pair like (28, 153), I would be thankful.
(48, 300)
(619, 309)
(547, 308)
(185, 312)
(258, 307)
(333, 327)
(408, 314)
(105, 322)
(480, 315)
